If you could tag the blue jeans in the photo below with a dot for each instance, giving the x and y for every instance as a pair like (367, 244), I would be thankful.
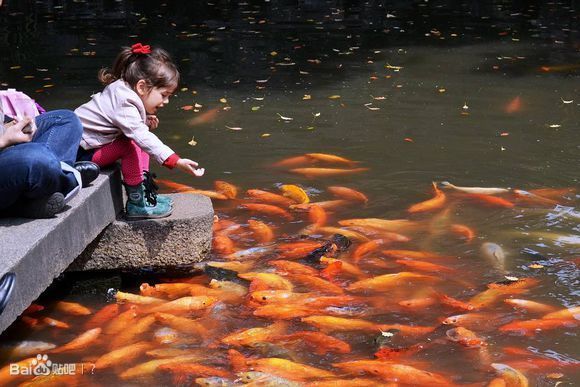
(32, 170)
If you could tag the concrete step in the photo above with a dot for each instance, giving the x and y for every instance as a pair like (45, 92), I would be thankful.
(39, 250)
(157, 244)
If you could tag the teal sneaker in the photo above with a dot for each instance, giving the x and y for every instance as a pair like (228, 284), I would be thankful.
(151, 190)
(138, 207)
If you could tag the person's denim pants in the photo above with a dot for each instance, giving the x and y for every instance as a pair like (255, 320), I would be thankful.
(32, 170)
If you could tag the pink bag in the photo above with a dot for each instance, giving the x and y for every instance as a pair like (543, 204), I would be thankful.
(17, 104)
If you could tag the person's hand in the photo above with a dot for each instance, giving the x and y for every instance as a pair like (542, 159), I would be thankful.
(190, 166)
(14, 135)
(152, 121)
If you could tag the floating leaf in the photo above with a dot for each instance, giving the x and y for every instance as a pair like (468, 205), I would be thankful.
(262, 80)
(197, 106)
(554, 126)
(334, 97)
(284, 118)
(409, 139)
(311, 128)
(223, 100)
(379, 98)
(258, 98)
(192, 142)
(184, 89)
(394, 68)
(536, 266)
(187, 107)
(566, 101)
(15, 67)
(255, 108)
(504, 134)
(307, 96)
(233, 127)
(316, 115)
(273, 53)
(265, 135)
(304, 72)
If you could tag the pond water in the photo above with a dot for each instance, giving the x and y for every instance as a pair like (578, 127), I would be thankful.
(479, 94)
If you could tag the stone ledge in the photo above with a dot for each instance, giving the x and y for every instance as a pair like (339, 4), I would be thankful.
(39, 250)
(178, 240)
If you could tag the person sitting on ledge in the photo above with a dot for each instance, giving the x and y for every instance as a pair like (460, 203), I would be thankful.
(38, 173)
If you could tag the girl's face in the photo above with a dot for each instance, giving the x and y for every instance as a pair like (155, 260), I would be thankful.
(155, 97)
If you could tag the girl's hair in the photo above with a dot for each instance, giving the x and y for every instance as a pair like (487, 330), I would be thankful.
(156, 68)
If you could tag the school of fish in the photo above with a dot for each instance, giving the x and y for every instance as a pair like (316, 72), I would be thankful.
(296, 294)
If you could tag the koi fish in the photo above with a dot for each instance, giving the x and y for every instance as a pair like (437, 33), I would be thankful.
(225, 188)
(210, 194)
(174, 186)
(151, 366)
(434, 203)
(288, 369)
(205, 117)
(182, 324)
(214, 381)
(463, 231)
(465, 337)
(387, 281)
(317, 215)
(514, 105)
(326, 172)
(284, 312)
(329, 324)
(25, 348)
(185, 304)
(261, 231)
(316, 283)
(533, 198)
(221, 244)
(104, 315)
(392, 372)
(529, 327)
(292, 267)
(395, 225)
(425, 266)
(474, 190)
(351, 382)
(511, 376)
(367, 247)
(72, 308)
(253, 336)
(252, 252)
(293, 162)
(319, 342)
(194, 369)
(297, 250)
(297, 194)
(553, 193)
(122, 355)
(333, 159)
(346, 267)
(7, 376)
(80, 342)
(238, 267)
(412, 254)
(264, 379)
(489, 200)
(267, 209)
(348, 194)
(136, 299)
(326, 205)
(418, 303)
(269, 197)
(270, 280)
(131, 334)
(531, 306)
(165, 336)
(121, 321)
(388, 353)
(564, 314)
(494, 253)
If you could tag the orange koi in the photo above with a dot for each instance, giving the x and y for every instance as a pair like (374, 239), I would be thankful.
(271, 280)
(508, 286)
(208, 193)
(182, 324)
(136, 299)
(365, 248)
(514, 105)
(392, 372)
(176, 289)
(121, 321)
(72, 308)
(174, 186)
(531, 306)
(511, 376)
(267, 209)
(80, 342)
(319, 342)
(351, 382)
(287, 369)
(297, 194)
(293, 162)
(348, 194)
(185, 304)
(489, 200)
(387, 281)
(131, 333)
(261, 231)
(434, 203)
(330, 324)
(465, 337)
(410, 330)
(269, 197)
(412, 254)
(187, 369)
(553, 193)
(122, 355)
(567, 313)
(297, 250)
(486, 298)
(238, 267)
(29, 321)
(33, 308)
(325, 205)
(148, 291)
(151, 366)
(222, 244)
(7, 376)
(205, 117)
(316, 283)
(463, 231)
(533, 198)
(342, 231)
(529, 327)
(326, 172)
(425, 266)
(317, 215)
(394, 225)
(284, 311)
(331, 270)
(418, 302)
(468, 320)
(293, 267)
(454, 303)
(347, 268)
(253, 336)
(334, 159)
(163, 353)
(54, 323)
(387, 353)
(225, 188)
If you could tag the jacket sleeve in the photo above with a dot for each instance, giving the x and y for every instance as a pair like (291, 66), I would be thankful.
(128, 119)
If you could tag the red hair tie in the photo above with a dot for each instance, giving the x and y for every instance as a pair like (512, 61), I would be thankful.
(138, 48)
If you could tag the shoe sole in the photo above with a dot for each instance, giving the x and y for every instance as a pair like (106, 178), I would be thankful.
(144, 217)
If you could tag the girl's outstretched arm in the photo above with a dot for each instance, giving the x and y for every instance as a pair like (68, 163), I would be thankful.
(189, 166)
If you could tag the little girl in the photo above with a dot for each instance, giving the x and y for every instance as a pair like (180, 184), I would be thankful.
(117, 123)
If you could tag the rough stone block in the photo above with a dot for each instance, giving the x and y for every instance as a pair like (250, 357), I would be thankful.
(178, 240)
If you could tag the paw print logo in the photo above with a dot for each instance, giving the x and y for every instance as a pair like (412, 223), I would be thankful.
(41, 365)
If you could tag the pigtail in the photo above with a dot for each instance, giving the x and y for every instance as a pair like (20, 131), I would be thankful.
(124, 59)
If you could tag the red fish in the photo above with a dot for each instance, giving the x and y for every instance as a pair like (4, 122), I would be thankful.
(268, 209)
(434, 203)
(463, 231)
(514, 105)
(205, 117)
(529, 327)
(489, 200)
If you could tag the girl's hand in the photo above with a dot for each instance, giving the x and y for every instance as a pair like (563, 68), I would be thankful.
(152, 121)
(14, 135)
(189, 166)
